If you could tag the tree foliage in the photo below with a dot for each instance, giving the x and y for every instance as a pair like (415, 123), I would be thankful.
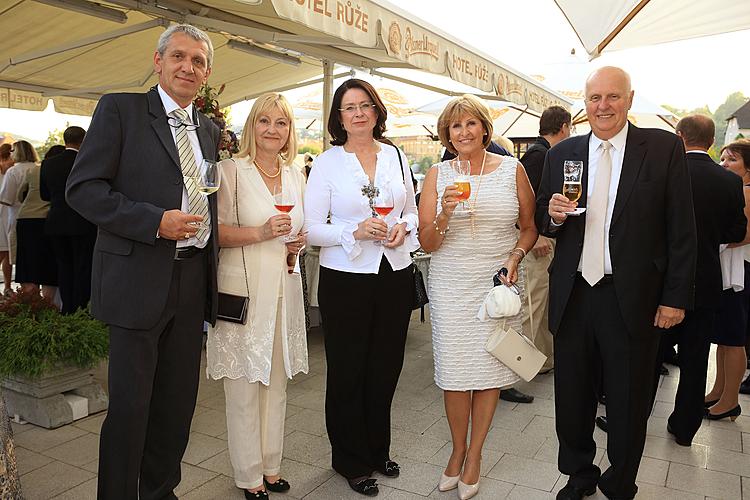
(54, 137)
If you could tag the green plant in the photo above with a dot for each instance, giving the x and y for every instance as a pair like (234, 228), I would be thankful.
(309, 148)
(36, 338)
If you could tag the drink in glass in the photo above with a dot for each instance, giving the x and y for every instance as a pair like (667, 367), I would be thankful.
(462, 171)
(572, 175)
(572, 190)
(383, 204)
(284, 201)
(206, 182)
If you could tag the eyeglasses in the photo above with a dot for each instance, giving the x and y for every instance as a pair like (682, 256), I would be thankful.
(177, 123)
(364, 107)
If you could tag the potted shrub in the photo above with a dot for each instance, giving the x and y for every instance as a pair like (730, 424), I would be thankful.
(46, 360)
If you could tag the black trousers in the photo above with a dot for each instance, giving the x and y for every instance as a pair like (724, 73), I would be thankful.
(153, 384)
(365, 320)
(593, 342)
(692, 338)
(74, 254)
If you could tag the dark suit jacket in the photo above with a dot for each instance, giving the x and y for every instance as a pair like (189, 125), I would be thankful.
(719, 201)
(533, 161)
(126, 175)
(61, 219)
(652, 236)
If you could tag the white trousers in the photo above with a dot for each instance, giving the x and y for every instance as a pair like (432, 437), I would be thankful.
(537, 284)
(255, 421)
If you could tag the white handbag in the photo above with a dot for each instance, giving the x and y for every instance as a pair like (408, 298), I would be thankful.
(512, 348)
(515, 351)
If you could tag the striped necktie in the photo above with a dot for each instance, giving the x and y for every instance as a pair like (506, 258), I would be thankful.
(198, 203)
(592, 267)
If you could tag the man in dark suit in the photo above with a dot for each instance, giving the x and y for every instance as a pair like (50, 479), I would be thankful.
(622, 270)
(719, 204)
(154, 270)
(72, 236)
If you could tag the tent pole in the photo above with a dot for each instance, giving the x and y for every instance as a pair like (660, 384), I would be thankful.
(327, 97)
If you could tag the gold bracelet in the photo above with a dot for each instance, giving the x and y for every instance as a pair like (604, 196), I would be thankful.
(521, 250)
(517, 254)
(437, 228)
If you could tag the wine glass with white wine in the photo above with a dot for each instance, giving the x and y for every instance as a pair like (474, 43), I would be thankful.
(206, 182)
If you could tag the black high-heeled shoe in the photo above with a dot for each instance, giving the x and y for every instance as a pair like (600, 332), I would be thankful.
(367, 487)
(280, 486)
(255, 495)
(732, 414)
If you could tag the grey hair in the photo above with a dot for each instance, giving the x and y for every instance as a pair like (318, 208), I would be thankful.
(191, 31)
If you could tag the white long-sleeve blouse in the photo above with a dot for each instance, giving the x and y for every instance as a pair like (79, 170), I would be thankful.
(335, 187)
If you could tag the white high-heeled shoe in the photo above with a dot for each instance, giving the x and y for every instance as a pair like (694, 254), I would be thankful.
(447, 483)
(466, 491)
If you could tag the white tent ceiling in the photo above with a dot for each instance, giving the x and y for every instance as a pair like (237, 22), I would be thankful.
(621, 24)
(76, 50)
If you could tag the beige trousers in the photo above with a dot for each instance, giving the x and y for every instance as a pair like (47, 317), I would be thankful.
(537, 284)
(255, 421)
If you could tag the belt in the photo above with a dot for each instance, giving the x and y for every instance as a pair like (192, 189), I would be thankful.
(606, 280)
(186, 252)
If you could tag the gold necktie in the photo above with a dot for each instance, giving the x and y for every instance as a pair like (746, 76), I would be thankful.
(198, 204)
(596, 217)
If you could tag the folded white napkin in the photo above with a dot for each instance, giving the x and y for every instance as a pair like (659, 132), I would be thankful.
(732, 267)
(500, 302)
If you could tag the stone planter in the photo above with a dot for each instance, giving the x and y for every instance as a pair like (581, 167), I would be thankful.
(56, 398)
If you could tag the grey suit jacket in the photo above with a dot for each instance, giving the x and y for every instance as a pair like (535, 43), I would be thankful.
(126, 175)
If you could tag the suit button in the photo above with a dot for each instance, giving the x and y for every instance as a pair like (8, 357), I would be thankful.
(572, 275)
(178, 181)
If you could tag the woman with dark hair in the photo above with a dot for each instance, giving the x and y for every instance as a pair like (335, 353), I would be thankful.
(731, 321)
(366, 286)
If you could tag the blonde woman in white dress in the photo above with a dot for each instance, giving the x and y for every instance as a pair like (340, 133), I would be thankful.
(467, 249)
(256, 359)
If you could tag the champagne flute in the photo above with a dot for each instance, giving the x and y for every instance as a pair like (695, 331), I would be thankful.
(461, 179)
(383, 204)
(206, 182)
(284, 201)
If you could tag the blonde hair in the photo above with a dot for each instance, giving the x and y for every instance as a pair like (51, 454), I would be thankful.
(466, 104)
(262, 105)
(24, 151)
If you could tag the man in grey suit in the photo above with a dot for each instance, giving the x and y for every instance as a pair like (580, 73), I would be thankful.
(154, 268)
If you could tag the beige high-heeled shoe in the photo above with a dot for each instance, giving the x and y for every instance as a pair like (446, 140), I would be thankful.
(448, 483)
(466, 491)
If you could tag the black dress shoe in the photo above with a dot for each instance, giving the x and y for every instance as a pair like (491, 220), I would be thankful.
(678, 440)
(389, 468)
(570, 492)
(280, 486)
(257, 495)
(367, 487)
(601, 422)
(515, 396)
(732, 414)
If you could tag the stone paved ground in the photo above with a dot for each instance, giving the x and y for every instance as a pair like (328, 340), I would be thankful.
(518, 460)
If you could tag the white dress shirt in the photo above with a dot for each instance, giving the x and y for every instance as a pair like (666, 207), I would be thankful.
(595, 153)
(335, 187)
(169, 106)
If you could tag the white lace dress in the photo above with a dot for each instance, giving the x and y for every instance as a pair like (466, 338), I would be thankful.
(234, 350)
(460, 276)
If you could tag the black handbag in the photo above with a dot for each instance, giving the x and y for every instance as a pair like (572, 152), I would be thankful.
(420, 292)
(233, 308)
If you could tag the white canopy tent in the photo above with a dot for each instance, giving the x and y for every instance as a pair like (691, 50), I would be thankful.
(73, 51)
(622, 24)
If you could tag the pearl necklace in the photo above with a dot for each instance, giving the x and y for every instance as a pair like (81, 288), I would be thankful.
(266, 173)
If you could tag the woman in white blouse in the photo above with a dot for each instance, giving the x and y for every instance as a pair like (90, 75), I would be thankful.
(256, 359)
(366, 286)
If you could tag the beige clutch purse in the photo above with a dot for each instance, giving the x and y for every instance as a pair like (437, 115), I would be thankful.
(515, 351)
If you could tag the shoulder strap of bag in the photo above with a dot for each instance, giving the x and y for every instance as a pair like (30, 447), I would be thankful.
(403, 176)
(237, 214)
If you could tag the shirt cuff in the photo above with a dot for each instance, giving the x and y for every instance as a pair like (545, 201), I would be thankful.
(555, 224)
(349, 243)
